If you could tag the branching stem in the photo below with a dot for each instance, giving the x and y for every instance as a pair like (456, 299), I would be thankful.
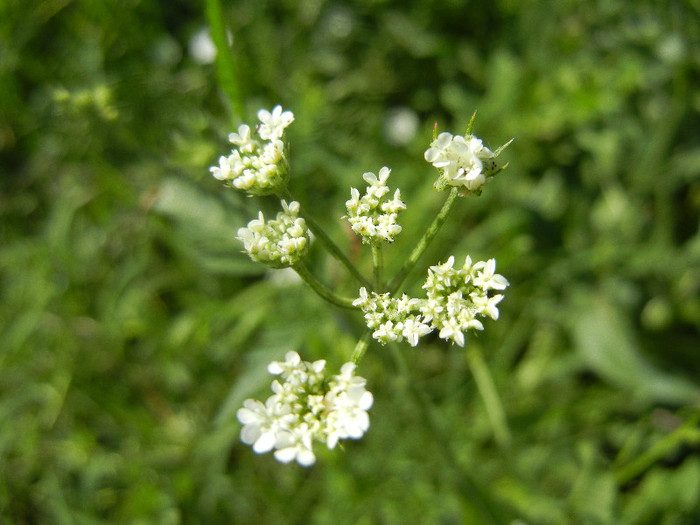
(320, 288)
(323, 237)
(425, 241)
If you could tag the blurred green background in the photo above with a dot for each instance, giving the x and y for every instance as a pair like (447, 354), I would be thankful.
(132, 327)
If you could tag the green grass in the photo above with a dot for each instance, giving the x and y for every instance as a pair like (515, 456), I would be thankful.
(132, 326)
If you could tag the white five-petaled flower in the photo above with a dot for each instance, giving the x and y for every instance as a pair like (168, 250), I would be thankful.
(306, 406)
(259, 425)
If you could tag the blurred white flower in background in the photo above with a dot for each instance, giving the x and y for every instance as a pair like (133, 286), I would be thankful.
(201, 47)
(400, 126)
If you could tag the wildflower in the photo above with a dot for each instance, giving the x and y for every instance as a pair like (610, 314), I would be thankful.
(392, 319)
(456, 299)
(307, 406)
(463, 161)
(279, 243)
(259, 425)
(258, 163)
(373, 216)
(413, 329)
(272, 125)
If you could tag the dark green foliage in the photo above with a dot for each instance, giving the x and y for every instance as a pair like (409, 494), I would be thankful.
(132, 327)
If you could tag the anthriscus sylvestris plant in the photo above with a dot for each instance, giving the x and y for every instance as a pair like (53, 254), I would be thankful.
(309, 403)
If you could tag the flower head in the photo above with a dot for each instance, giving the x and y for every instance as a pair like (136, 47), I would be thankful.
(280, 242)
(463, 161)
(308, 406)
(392, 319)
(456, 300)
(457, 297)
(258, 163)
(373, 216)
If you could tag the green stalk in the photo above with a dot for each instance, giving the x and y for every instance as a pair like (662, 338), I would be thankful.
(425, 241)
(321, 289)
(225, 60)
(323, 237)
(686, 434)
(378, 265)
(361, 347)
(487, 509)
(489, 394)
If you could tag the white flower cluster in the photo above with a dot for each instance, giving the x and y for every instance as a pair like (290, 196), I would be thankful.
(257, 165)
(392, 319)
(457, 296)
(464, 162)
(280, 242)
(373, 216)
(455, 300)
(306, 407)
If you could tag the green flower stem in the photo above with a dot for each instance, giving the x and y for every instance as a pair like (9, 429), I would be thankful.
(321, 289)
(482, 504)
(378, 264)
(425, 241)
(361, 347)
(322, 236)
(225, 60)
(686, 434)
(489, 394)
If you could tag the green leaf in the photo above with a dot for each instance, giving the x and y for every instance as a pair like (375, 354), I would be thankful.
(207, 229)
(605, 341)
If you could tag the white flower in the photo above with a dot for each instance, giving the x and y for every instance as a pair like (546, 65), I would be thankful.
(386, 332)
(225, 169)
(306, 407)
(363, 299)
(392, 319)
(349, 418)
(257, 164)
(350, 402)
(405, 304)
(486, 304)
(295, 444)
(484, 276)
(414, 330)
(291, 362)
(463, 161)
(395, 205)
(377, 182)
(456, 298)
(242, 139)
(451, 329)
(373, 216)
(259, 425)
(437, 153)
(431, 308)
(346, 378)
(272, 125)
(440, 276)
(279, 243)
(460, 158)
